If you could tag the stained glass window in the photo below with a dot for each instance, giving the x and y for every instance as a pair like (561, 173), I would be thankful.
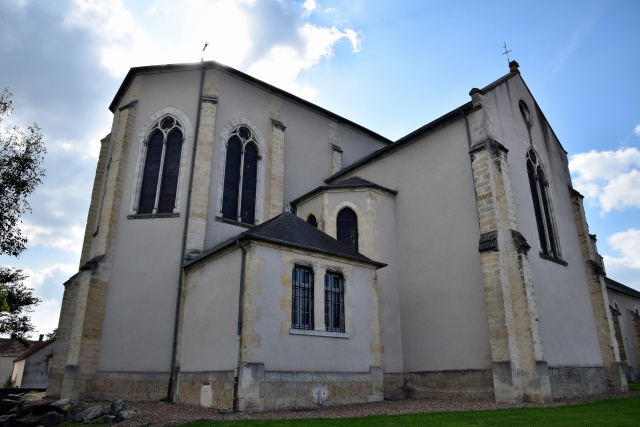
(240, 177)
(161, 170)
(542, 206)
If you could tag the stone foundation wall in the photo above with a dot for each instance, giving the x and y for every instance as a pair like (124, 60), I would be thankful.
(393, 386)
(190, 385)
(135, 386)
(574, 382)
(259, 390)
(467, 384)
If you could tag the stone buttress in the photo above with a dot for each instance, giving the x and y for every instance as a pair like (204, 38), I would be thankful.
(82, 313)
(616, 378)
(519, 370)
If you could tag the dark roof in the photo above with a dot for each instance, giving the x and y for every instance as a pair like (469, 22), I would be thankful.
(352, 182)
(12, 347)
(612, 285)
(35, 349)
(242, 76)
(405, 140)
(288, 230)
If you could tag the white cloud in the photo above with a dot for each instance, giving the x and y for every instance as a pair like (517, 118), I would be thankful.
(308, 6)
(151, 10)
(626, 266)
(636, 130)
(45, 317)
(608, 178)
(243, 37)
(58, 272)
(67, 238)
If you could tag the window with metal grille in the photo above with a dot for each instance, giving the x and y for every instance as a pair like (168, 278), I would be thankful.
(542, 206)
(302, 298)
(240, 177)
(311, 219)
(161, 167)
(334, 302)
(347, 228)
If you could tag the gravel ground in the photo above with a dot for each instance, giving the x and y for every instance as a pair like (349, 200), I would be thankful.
(164, 414)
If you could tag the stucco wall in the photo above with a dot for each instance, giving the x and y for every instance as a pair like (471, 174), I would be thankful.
(442, 305)
(566, 319)
(35, 373)
(376, 240)
(6, 367)
(210, 315)
(146, 259)
(267, 338)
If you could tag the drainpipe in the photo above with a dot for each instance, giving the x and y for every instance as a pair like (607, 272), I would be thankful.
(236, 370)
(184, 242)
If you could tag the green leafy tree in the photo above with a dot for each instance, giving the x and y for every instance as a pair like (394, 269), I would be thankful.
(20, 301)
(21, 159)
(51, 335)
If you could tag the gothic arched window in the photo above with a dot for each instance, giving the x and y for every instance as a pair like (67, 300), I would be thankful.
(311, 219)
(161, 167)
(347, 232)
(542, 206)
(240, 177)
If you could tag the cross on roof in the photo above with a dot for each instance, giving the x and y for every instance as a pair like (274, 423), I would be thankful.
(506, 52)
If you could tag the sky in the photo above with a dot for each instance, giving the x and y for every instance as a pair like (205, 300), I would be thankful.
(391, 66)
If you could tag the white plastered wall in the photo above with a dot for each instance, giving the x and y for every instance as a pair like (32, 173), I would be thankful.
(146, 257)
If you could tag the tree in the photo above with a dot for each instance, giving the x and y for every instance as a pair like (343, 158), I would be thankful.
(21, 158)
(51, 335)
(19, 301)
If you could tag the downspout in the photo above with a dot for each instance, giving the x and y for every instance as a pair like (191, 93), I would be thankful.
(184, 243)
(236, 370)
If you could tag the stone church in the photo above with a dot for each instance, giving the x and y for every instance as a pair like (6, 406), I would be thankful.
(246, 249)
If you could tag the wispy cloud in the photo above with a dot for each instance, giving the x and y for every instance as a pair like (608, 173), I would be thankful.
(610, 179)
(636, 130)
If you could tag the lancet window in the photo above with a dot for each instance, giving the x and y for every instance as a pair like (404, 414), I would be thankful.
(161, 167)
(347, 228)
(542, 206)
(240, 176)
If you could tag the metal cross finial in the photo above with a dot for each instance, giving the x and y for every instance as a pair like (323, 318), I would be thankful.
(205, 46)
(506, 52)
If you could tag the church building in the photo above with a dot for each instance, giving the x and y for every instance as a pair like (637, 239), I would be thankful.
(246, 249)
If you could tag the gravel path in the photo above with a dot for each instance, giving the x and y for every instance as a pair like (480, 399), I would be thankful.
(164, 414)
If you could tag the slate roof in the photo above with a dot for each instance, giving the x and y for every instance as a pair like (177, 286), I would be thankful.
(12, 347)
(612, 285)
(352, 182)
(288, 230)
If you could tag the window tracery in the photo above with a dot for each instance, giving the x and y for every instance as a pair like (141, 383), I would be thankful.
(240, 176)
(542, 206)
(161, 167)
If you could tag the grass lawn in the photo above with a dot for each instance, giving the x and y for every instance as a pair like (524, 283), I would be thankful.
(614, 412)
(634, 386)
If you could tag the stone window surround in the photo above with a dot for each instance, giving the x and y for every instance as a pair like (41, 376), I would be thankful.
(319, 271)
(142, 153)
(554, 228)
(227, 129)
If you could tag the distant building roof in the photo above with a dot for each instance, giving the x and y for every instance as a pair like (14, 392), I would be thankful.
(288, 230)
(12, 347)
(612, 285)
(352, 182)
(34, 349)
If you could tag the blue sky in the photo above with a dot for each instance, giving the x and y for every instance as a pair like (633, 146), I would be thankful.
(391, 66)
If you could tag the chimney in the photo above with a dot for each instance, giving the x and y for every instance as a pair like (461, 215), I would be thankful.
(41, 337)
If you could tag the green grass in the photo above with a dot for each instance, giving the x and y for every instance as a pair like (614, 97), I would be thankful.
(615, 412)
(634, 386)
